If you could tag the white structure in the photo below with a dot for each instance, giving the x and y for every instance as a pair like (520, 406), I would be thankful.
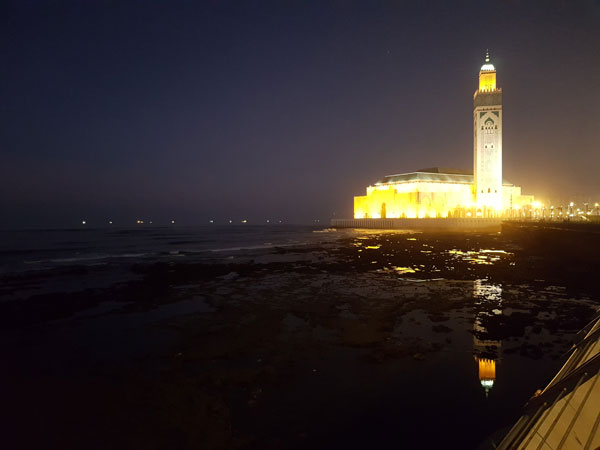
(487, 140)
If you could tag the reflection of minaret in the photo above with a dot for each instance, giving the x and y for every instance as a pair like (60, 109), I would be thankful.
(486, 351)
(487, 373)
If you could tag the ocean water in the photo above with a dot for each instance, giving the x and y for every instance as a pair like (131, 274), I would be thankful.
(25, 250)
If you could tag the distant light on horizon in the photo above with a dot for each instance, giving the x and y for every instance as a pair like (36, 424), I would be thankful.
(83, 222)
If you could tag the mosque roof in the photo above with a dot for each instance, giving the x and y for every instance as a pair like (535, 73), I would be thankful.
(447, 170)
(433, 174)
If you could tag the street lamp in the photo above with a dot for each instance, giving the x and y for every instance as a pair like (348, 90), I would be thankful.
(570, 210)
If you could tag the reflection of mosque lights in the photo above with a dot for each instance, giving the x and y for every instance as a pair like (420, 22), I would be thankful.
(482, 257)
(487, 373)
(486, 292)
(483, 349)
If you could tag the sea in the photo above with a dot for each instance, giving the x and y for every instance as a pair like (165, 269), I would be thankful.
(34, 250)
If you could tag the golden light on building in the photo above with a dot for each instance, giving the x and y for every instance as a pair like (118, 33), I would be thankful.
(441, 192)
(487, 76)
(434, 193)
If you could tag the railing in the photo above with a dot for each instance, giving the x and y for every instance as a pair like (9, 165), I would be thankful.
(572, 375)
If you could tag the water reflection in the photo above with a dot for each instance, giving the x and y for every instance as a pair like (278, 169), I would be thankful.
(488, 301)
(482, 257)
(487, 373)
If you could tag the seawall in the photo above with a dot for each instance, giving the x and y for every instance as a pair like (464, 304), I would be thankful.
(557, 239)
(421, 224)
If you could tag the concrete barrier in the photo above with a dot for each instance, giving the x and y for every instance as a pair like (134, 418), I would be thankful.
(420, 224)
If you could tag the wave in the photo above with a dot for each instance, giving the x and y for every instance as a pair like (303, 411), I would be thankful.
(17, 252)
(326, 230)
(256, 247)
(88, 258)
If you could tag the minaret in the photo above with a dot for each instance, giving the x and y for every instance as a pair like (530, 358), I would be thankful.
(487, 142)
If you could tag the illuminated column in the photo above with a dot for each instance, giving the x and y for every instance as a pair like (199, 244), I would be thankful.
(487, 141)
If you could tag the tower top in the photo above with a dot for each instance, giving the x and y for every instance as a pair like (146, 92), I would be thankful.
(488, 66)
(487, 75)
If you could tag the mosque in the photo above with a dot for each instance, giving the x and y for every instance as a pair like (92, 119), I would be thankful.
(441, 192)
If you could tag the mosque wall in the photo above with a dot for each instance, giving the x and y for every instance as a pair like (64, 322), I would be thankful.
(417, 200)
(414, 200)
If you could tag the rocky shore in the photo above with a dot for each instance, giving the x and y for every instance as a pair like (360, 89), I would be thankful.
(346, 344)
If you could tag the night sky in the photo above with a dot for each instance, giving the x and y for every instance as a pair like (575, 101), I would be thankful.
(161, 110)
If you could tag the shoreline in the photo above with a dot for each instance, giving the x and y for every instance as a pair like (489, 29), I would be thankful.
(424, 224)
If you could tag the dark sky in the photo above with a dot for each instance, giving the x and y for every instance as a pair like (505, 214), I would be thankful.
(199, 110)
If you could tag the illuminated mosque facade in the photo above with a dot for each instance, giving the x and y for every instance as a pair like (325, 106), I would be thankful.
(440, 192)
